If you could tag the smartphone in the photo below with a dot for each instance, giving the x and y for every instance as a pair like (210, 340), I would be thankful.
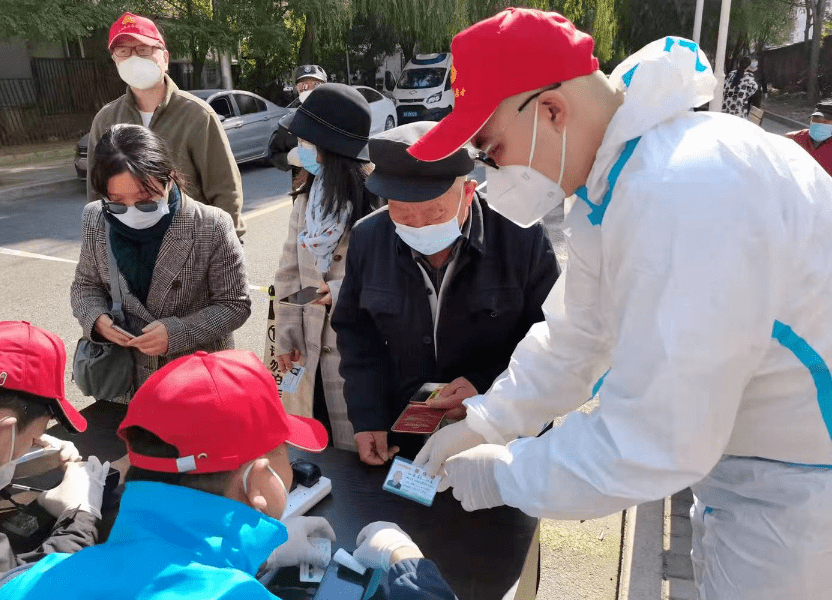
(305, 296)
(342, 583)
(426, 392)
(122, 331)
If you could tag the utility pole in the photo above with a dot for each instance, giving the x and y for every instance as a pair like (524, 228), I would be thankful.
(721, 46)
(697, 21)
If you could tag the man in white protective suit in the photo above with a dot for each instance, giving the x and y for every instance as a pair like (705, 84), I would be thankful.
(698, 297)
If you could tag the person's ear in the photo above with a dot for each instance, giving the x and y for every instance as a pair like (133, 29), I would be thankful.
(260, 489)
(167, 60)
(470, 190)
(555, 108)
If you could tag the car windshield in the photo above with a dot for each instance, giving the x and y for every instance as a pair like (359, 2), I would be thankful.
(421, 78)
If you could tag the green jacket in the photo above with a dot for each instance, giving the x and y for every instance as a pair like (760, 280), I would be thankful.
(197, 140)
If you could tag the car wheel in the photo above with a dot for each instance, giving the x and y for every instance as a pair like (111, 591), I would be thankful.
(390, 123)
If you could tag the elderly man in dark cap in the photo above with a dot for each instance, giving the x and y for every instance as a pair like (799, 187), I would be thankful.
(439, 288)
(817, 139)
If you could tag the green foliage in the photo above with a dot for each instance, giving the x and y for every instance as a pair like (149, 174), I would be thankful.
(55, 20)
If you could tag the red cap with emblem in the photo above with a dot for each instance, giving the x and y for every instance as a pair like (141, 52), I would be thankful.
(32, 360)
(219, 410)
(515, 51)
(136, 27)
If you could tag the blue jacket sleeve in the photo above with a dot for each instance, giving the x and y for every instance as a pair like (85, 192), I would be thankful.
(417, 579)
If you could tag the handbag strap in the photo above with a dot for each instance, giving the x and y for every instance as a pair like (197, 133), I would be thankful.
(115, 289)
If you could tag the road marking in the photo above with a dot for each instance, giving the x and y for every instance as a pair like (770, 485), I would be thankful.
(262, 211)
(40, 256)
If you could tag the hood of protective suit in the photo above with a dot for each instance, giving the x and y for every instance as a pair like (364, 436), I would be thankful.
(661, 81)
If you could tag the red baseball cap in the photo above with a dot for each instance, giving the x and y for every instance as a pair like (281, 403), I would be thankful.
(219, 410)
(32, 360)
(515, 51)
(138, 28)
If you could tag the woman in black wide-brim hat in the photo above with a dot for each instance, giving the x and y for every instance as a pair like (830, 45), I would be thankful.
(332, 126)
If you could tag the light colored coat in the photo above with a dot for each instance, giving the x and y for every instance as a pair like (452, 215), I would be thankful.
(308, 328)
(199, 289)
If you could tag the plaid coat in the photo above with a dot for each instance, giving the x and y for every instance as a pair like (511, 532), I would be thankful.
(199, 288)
(308, 329)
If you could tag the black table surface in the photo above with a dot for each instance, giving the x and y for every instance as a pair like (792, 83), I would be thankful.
(481, 554)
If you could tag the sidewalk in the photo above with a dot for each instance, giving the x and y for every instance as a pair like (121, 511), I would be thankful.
(27, 171)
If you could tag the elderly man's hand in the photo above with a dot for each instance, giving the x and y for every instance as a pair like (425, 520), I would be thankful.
(451, 396)
(372, 447)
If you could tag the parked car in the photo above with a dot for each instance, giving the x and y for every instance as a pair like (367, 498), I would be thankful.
(250, 122)
(382, 112)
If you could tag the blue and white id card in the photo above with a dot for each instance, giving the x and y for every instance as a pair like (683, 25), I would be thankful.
(291, 379)
(411, 482)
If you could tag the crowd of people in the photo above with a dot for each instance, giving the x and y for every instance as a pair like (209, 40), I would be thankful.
(695, 307)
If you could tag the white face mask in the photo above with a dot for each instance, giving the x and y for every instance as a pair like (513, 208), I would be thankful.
(522, 194)
(136, 219)
(7, 470)
(283, 485)
(140, 73)
(431, 239)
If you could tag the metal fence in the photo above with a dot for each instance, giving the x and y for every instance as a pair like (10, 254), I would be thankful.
(58, 102)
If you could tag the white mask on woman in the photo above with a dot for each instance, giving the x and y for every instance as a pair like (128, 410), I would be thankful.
(522, 194)
(136, 219)
(140, 73)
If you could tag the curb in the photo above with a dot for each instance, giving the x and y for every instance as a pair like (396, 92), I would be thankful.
(641, 575)
(28, 190)
(784, 120)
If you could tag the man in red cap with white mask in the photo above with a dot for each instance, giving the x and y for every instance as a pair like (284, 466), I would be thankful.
(188, 125)
(32, 362)
(208, 482)
(697, 299)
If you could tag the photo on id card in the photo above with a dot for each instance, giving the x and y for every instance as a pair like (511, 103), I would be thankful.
(411, 482)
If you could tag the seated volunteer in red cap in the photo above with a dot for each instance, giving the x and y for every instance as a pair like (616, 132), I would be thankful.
(698, 299)
(199, 513)
(184, 269)
(190, 127)
(465, 284)
(817, 139)
(32, 364)
(332, 125)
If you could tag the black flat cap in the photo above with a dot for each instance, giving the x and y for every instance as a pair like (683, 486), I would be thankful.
(334, 117)
(823, 109)
(400, 176)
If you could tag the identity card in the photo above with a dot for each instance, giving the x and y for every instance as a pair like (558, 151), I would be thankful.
(411, 482)
(311, 573)
(291, 379)
(428, 391)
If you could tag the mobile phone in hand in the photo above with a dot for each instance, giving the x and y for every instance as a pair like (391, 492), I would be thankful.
(305, 296)
(122, 331)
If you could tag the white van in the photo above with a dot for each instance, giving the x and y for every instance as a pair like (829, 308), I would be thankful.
(388, 72)
(423, 91)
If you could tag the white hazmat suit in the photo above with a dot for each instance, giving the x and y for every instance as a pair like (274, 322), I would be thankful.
(700, 275)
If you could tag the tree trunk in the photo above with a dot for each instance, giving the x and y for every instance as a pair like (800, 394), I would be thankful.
(810, 4)
(812, 88)
(198, 61)
(306, 52)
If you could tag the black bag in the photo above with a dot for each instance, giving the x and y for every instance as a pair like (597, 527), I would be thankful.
(104, 370)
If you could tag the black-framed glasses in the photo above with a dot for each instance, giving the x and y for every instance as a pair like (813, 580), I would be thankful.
(140, 50)
(114, 208)
(482, 156)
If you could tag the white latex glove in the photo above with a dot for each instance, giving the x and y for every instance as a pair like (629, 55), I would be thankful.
(82, 488)
(297, 548)
(471, 474)
(451, 439)
(377, 542)
(67, 452)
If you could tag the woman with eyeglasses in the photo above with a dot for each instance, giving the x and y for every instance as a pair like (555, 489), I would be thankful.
(332, 126)
(182, 269)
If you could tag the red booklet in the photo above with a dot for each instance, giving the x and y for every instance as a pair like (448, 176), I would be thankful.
(418, 418)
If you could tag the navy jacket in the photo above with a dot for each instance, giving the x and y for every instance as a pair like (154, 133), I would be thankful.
(383, 318)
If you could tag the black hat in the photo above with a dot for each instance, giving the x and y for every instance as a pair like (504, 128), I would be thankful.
(310, 72)
(399, 176)
(823, 109)
(336, 118)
